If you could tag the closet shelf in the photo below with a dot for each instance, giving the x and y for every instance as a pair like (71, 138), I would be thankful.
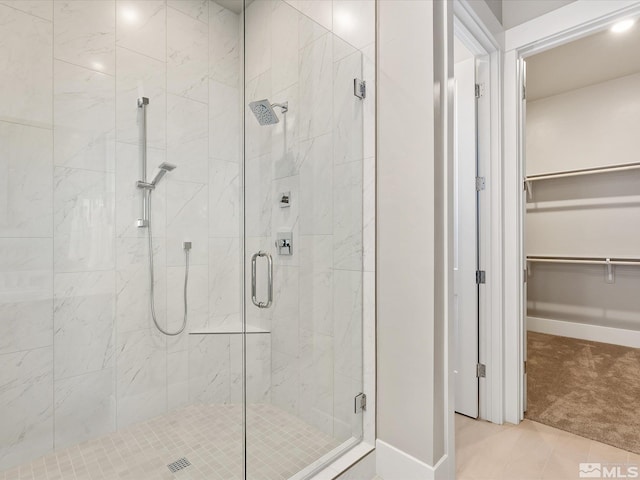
(584, 260)
(585, 171)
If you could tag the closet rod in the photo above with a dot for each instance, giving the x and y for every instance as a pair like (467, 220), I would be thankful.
(585, 260)
(585, 171)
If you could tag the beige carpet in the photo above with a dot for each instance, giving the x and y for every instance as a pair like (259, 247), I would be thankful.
(588, 388)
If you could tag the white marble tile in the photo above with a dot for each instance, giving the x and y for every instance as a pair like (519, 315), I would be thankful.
(285, 149)
(308, 30)
(187, 220)
(345, 422)
(286, 219)
(26, 396)
(284, 382)
(141, 27)
(26, 293)
(316, 186)
(341, 49)
(369, 354)
(209, 372)
(355, 21)
(85, 33)
(84, 118)
(187, 56)
(224, 122)
(320, 11)
(258, 27)
(284, 42)
(316, 87)
(224, 276)
(26, 180)
(198, 9)
(368, 215)
(128, 197)
(187, 139)
(26, 88)
(141, 375)
(84, 326)
(133, 311)
(347, 322)
(85, 407)
(285, 323)
(224, 45)
(347, 220)
(257, 138)
(140, 76)
(347, 110)
(39, 8)
(258, 197)
(224, 198)
(197, 303)
(316, 380)
(83, 203)
(258, 368)
(316, 283)
(178, 379)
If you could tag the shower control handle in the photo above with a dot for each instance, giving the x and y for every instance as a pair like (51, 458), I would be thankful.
(254, 299)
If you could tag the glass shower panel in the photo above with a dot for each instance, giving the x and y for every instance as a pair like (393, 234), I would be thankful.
(303, 167)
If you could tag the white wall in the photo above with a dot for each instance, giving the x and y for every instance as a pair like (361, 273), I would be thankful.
(411, 281)
(588, 215)
(515, 12)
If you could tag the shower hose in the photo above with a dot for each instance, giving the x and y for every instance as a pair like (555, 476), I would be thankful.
(151, 278)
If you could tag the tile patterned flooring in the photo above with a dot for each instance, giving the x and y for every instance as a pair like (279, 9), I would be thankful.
(530, 450)
(209, 436)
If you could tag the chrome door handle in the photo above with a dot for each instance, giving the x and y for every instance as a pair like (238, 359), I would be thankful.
(269, 280)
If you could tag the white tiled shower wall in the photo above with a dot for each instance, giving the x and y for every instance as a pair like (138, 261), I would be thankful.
(322, 152)
(79, 354)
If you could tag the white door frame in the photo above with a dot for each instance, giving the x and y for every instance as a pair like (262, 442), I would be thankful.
(573, 21)
(471, 29)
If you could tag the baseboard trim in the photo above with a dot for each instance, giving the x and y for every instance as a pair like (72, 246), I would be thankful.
(394, 464)
(583, 331)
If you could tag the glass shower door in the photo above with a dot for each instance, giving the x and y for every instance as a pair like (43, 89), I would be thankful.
(303, 162)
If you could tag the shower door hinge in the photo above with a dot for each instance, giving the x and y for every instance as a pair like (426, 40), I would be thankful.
(479, 90)
(481, 277)
(481, 370)
(359, 403)
(525, 367)
(481, 183)
(360, 88)
(524, 92)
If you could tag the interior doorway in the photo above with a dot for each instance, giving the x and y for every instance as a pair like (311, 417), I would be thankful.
(581, 337)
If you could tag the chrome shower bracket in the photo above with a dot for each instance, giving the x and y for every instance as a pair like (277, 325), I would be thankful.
(284, 107)
(142, 184)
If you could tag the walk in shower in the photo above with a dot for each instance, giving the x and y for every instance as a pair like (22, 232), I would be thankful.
(186, 237)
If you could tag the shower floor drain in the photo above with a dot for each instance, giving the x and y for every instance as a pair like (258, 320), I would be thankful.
(179, 465)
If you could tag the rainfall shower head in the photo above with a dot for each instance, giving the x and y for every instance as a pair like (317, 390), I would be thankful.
(263, 110)
(164, 168)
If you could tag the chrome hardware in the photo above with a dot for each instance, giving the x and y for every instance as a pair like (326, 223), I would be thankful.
(359, 403)
(481, 277)
(285, 199)
(481, 370)
(145, 185)
(143, 221)
(269, 279)
(186, 246)
(359, 88)
(481, 184)
(284, 243)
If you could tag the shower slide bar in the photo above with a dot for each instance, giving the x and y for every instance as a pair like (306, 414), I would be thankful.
(143, 221)
(609, 263)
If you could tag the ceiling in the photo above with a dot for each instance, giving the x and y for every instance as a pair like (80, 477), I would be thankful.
(587, 61)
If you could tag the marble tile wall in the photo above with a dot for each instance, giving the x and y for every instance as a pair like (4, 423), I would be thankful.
(322, 151)
(80, 356)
